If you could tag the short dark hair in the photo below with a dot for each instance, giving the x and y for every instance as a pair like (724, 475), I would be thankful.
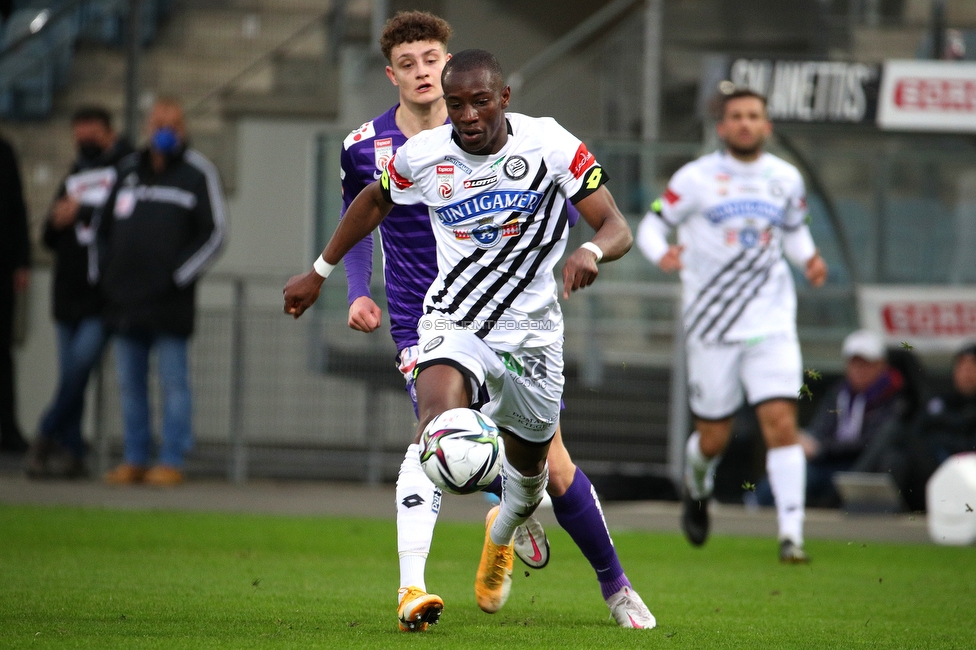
(92, 114)
(413, 26)
(739, 93)
(967, 350)
(467, 60)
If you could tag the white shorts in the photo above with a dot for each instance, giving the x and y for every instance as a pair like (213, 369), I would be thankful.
(524, 387)
(764, 369)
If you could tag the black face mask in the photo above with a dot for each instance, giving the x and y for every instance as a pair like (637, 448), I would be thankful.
(90, 151)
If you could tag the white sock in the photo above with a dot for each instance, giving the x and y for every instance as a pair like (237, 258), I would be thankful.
(417, 501)
(787, 471)
(699, 469)
(521, 495)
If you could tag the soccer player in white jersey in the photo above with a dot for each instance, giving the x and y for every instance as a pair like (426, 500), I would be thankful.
(496, 186)
(415, 43)
(738, 211)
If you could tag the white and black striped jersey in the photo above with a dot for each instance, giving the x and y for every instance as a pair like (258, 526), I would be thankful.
(733, 219)
(500, 222)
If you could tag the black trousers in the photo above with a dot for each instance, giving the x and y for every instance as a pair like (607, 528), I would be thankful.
(8, 403)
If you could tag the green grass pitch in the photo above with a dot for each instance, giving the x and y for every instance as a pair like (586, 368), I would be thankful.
(88, 578)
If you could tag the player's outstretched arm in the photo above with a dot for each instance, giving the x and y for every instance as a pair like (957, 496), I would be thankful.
(364, 214)
(613, 238)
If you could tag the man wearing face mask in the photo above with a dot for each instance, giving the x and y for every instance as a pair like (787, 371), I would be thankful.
(162, 226)
(68, 232)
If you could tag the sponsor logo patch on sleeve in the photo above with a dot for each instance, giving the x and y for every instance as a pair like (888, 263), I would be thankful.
(364, 132)
(581, 161)
(398, 180)
(670, 197)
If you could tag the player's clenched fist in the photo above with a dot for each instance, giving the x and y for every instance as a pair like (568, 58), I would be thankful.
(580, 271)
(301, 292)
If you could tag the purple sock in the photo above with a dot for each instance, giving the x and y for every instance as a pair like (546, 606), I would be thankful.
(578, 512)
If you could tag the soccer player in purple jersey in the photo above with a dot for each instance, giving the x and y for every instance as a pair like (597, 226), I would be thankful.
(415, 43)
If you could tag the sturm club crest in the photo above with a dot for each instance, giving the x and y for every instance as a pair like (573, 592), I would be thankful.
(516, 168)
(445, 181)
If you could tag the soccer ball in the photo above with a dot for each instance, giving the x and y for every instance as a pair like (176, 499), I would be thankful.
(461, 451)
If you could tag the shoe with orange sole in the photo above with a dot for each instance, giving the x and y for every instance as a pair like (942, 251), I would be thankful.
(417, 609)
(494, 579)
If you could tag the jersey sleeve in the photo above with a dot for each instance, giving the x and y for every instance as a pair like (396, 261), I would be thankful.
(679, 199)
(652, 236)
(576, 169)
(795, 215)
(798, 243)
(349, 177)
(398, 181)
(358, 262)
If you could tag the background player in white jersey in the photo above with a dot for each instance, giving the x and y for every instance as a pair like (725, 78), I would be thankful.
(737, 212)
(415, 43)
(497, 190)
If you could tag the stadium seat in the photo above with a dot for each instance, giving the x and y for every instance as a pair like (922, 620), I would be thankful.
(27, 69)
(36, 62)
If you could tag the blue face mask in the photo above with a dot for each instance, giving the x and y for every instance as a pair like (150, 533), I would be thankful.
(165, 141)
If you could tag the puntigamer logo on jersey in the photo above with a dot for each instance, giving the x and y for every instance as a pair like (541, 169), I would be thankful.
(745, 208)
(525, 201)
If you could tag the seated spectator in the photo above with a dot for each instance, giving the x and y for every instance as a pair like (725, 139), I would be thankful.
(855, 424)
(946, 426)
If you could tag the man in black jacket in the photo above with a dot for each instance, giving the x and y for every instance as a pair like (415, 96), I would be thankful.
(68, 232)
(162, 226)
(946, 427)
(15, 260)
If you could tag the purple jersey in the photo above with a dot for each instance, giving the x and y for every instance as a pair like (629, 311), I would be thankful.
(409, 248)
(409, 251)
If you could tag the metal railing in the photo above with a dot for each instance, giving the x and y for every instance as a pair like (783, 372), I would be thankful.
(276, 397)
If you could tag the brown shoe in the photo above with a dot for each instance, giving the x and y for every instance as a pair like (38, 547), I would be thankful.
(163, 476)
(126, 474)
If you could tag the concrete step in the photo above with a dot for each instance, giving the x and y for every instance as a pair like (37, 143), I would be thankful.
(959, 13)
(209, 32)
(880, 43)
(353, 7)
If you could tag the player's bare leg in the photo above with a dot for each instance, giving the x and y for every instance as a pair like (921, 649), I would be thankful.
(522, 489)
(786, 467)
(702, 455)
(578, 511)
(418, 501)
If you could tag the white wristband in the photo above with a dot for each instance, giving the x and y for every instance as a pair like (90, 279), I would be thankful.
(593, 248)
(322, 267)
